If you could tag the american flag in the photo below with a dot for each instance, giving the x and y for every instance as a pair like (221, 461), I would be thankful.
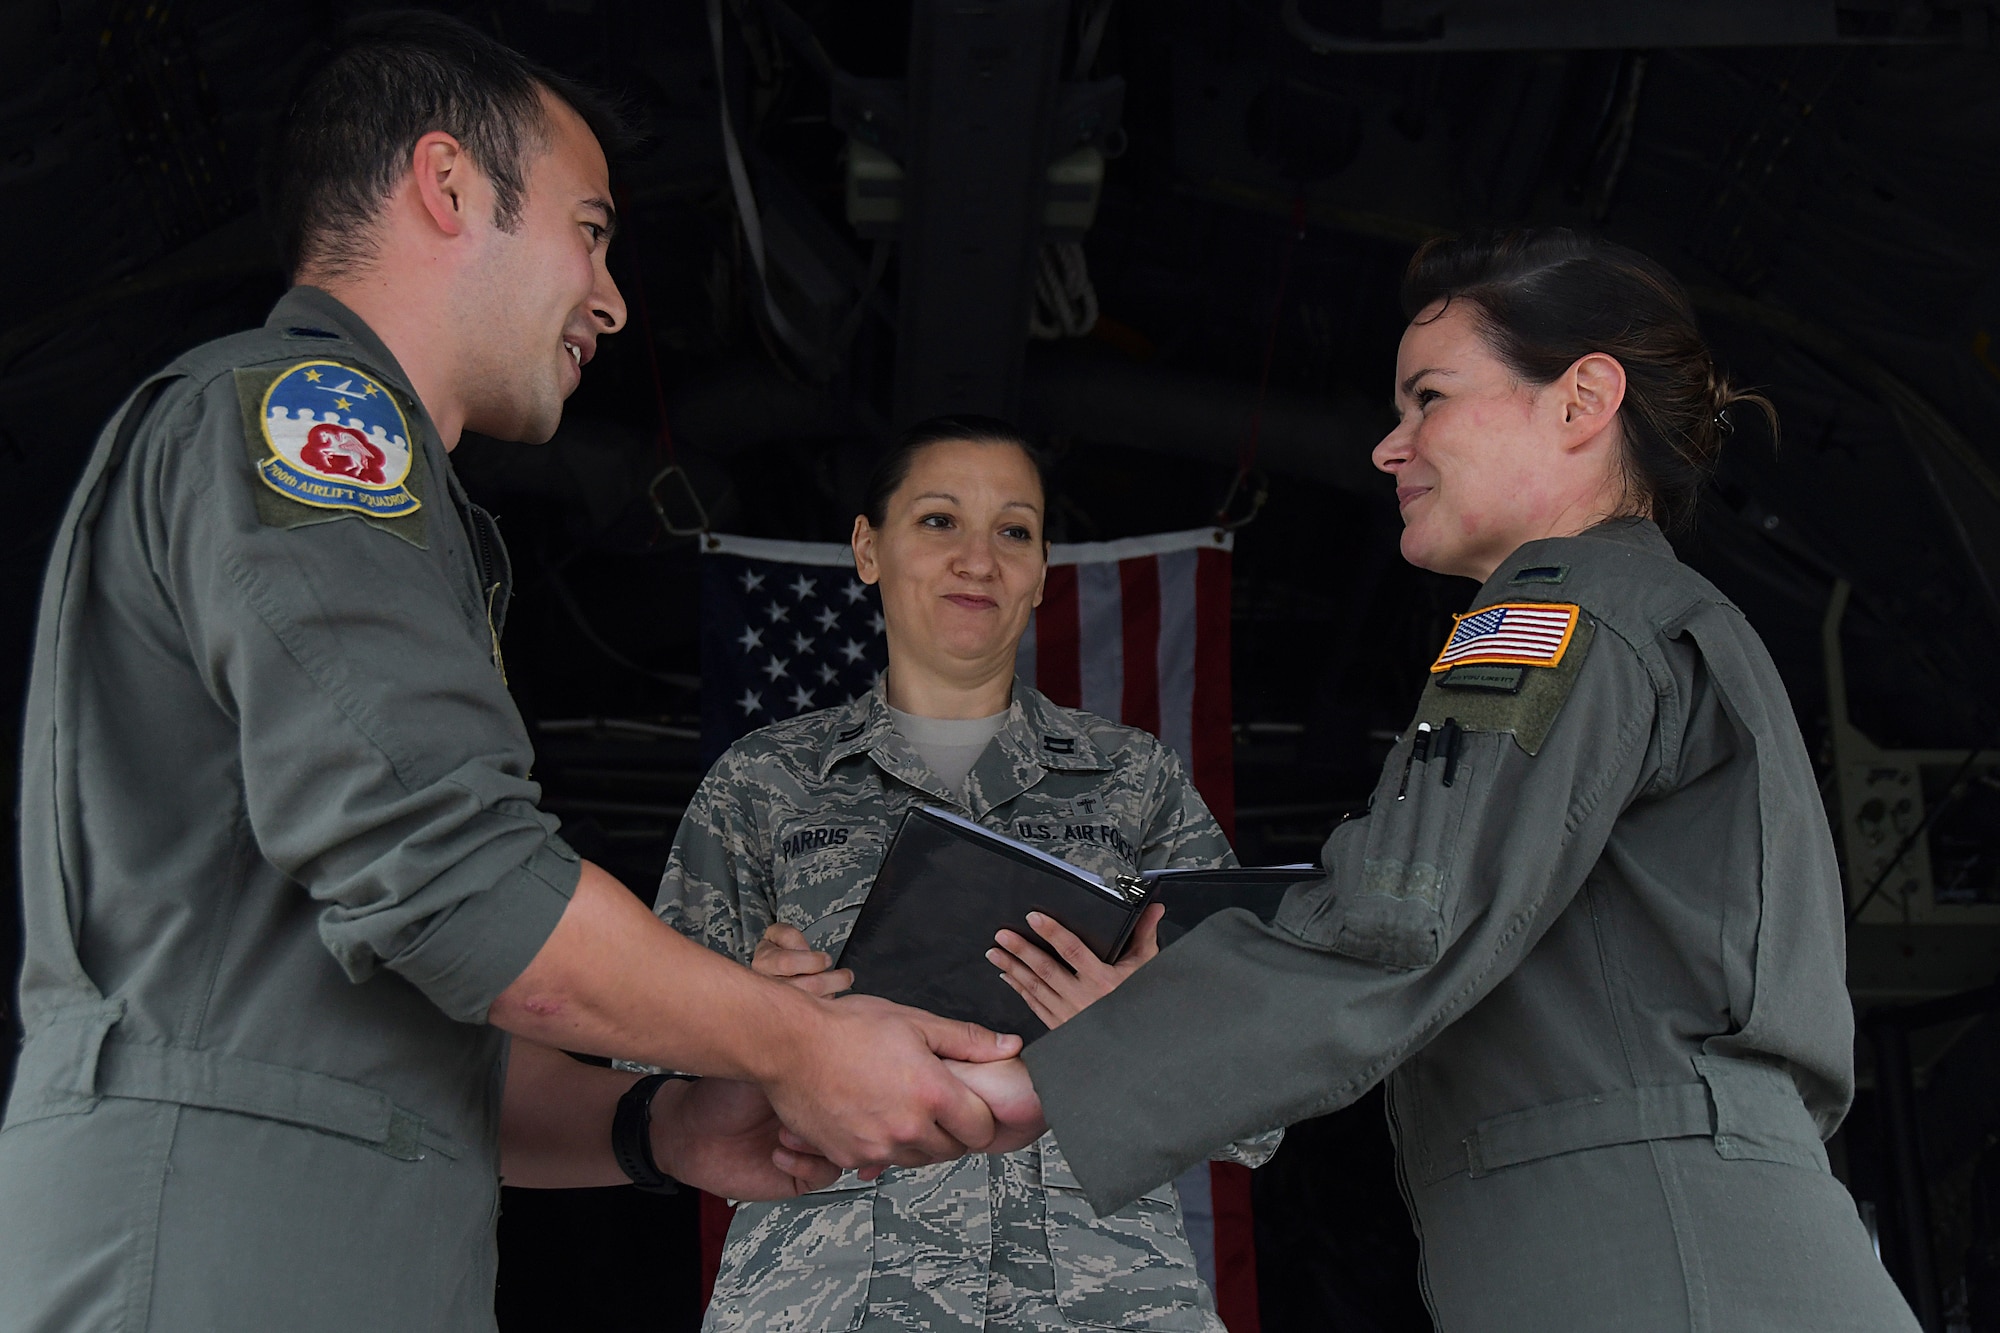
(1518, 633)
(786, 628)
(1136, 631)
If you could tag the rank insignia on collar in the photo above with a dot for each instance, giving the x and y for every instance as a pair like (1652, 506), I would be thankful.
(1510, 634)
(337, 440)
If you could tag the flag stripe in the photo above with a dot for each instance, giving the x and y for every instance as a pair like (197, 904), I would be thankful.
(1057, 665)
(1176, 652)
(1101, 634)
(1214, 766)
(1139, 599)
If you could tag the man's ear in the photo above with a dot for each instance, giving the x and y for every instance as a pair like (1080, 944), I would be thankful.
(863, 542)
(1593, 390)
(441, 168)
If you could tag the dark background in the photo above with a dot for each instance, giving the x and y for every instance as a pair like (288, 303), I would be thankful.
(1822, 176)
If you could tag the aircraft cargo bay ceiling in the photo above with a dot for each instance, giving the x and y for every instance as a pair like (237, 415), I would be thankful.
(1818, 174)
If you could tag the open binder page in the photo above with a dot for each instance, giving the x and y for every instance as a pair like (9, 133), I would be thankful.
(1055, 862)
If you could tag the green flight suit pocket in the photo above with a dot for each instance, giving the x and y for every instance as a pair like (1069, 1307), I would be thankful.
(1131, 1270)
(797, 1264)
(1397, 911)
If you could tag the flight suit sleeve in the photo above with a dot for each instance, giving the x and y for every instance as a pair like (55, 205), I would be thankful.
(384, 766)
(1184, 835)
(1429, 901)
(717, 885)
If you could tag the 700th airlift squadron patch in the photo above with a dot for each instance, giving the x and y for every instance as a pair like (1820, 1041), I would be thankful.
(336, 440)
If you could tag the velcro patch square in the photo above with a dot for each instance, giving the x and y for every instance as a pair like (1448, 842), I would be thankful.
(1512, 634)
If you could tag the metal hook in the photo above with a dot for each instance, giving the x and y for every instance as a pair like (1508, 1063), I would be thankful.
(687, 489)
(1260, 491)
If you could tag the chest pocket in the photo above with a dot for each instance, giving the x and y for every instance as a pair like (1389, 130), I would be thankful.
(1399, 911)
(1097, 840)
(824, 863)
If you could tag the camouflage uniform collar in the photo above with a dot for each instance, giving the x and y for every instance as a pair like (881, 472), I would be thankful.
(1040, 732)
(319, 324)
(859, 727)
(1037, 736)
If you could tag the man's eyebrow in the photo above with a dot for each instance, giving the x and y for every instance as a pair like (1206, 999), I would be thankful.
(610, 214)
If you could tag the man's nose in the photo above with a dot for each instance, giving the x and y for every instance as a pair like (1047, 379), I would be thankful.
(607, 305)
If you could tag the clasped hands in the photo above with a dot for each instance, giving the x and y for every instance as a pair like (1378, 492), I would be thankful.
(996, 1109)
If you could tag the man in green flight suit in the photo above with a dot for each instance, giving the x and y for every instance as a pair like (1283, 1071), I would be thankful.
(286, 886)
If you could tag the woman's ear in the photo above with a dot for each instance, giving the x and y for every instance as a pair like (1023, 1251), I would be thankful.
(1593, 391)
(863, 543)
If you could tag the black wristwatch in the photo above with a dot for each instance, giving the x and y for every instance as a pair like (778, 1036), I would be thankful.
(632, 1135)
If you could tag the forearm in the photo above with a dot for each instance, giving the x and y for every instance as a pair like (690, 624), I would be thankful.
(614, 980)
(555, 1120)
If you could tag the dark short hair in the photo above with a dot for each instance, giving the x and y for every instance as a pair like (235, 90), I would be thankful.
(893, 468)
(1546, 297)
(344, 140)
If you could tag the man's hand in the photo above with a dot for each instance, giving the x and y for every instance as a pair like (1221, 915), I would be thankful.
(722, 1136)
(866, 1084)
(1057, 993)
(858, 1076)
(783, 953)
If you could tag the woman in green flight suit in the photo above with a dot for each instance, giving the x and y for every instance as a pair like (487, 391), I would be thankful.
(1590, 928)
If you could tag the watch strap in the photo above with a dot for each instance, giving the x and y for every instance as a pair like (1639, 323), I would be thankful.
(632, 1136)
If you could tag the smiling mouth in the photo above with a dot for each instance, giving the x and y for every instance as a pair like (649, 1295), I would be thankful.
(971, 601)
(575, 353)
(1406, 495)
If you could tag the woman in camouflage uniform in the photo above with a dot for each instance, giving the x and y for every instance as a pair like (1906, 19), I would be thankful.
(781, 844)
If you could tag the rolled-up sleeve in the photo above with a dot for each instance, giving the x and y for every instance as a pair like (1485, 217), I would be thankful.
(385, 767)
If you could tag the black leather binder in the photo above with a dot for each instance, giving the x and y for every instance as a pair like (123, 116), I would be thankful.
(947, 884)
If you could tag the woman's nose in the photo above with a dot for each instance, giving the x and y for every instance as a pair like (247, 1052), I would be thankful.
(1393, 451)
(977, 557)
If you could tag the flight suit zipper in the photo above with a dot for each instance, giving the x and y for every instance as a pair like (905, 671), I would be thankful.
(1410, 1205)
(493, 579)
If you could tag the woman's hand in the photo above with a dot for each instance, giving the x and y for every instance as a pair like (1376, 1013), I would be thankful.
(784, 953)
(1057, 993)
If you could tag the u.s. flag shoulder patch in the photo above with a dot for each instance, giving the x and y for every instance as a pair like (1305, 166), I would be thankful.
(1533, 634)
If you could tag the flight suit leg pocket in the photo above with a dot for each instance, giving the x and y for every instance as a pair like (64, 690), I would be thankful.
(1397, 911)
(796, 1266)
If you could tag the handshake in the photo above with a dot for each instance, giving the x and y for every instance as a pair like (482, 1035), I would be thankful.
(877, 1084)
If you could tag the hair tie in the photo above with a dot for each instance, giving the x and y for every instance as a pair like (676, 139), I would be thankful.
(1723, 423)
